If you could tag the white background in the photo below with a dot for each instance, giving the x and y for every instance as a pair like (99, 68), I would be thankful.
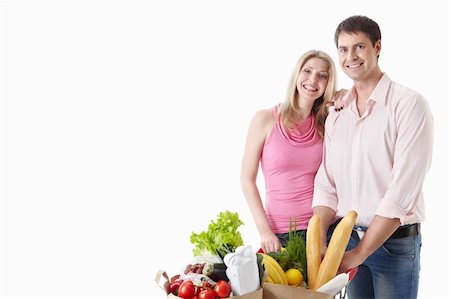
(123, 125)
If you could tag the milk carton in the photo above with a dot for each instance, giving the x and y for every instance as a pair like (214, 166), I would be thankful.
(242, 270)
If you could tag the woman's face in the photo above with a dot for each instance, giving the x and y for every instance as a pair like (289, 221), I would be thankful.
(312, 79)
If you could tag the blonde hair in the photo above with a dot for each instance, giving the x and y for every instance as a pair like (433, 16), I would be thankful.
(290, 107)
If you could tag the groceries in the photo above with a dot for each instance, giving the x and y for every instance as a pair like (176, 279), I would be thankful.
(221, 237)
(222, 266)
(291, 258)
(275, 272)
(294, 277)
(334, 285)
(242, 270)
(313, 249)
(335, 251)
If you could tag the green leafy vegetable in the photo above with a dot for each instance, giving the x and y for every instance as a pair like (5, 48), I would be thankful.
(294, 255)
(222, 236)
(261, 269)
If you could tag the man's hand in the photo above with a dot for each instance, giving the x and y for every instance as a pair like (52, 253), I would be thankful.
(378, 232)
(351, 259)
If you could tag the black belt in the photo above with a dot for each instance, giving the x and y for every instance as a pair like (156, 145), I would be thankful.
(409, 230)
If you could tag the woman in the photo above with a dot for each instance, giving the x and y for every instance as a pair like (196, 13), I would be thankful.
(287, 141)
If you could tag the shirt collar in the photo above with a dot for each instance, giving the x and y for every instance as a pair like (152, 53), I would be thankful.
(379, 94)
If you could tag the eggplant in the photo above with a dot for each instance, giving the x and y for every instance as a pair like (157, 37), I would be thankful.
(216, 271)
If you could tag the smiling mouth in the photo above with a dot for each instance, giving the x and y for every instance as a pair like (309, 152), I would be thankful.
(309, 88)
(353, 66)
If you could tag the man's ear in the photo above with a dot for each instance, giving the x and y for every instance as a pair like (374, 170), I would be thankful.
(378, 47)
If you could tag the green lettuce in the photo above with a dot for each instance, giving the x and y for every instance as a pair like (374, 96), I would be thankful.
(222, 236)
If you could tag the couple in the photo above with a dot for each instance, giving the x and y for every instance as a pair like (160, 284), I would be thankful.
(371, 155)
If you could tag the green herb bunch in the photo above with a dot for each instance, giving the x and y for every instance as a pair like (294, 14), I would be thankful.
(294, 253)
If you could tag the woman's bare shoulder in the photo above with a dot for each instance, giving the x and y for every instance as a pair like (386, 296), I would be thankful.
(263, 122)
(264, 116)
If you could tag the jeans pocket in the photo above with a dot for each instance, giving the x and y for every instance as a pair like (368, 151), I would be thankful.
(403, 247)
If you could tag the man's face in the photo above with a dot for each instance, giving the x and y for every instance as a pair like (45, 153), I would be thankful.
(357, 56)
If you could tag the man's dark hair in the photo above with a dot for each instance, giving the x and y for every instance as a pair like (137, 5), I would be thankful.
(357, 24)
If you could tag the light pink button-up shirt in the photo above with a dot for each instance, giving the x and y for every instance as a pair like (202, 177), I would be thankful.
(376, 163)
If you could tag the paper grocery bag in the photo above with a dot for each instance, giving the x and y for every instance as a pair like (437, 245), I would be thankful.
(281, 291)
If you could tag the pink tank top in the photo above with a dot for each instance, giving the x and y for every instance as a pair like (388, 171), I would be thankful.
(289, 162)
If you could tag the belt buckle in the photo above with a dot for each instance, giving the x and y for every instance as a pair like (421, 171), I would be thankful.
(360, 231)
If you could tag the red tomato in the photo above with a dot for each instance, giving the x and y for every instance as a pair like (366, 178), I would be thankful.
(186, 289)
(206, 285)
(198, 289)
(222, 289)
(207, 294)
(174, 285)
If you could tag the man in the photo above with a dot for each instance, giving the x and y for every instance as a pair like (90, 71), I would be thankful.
(377, 152)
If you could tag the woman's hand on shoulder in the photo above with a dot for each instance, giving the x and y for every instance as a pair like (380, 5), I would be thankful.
(337, 100)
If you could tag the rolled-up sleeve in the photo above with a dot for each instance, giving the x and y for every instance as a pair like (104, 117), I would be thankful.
(324, 185)
(412, 158)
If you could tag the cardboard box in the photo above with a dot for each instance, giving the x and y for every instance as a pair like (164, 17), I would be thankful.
(280, 291)
(163, 280)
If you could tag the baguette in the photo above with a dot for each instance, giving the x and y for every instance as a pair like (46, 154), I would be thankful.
(313, 250)
(336, 248)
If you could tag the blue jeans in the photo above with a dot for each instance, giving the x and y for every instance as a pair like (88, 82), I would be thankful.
(392, 271)
(284, 237)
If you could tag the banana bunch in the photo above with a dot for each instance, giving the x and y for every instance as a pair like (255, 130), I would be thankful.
(276, 273)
